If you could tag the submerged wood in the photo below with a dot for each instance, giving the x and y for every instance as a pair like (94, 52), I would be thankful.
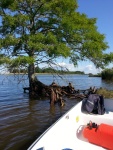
(56, 93)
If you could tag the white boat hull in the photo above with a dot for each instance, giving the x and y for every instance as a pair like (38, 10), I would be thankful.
(66, 133)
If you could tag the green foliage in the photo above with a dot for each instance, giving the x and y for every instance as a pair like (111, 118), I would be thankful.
(108, 58)
(34, 31)
(4, 59)
(22, 60)
(107, 74)
(5, 3)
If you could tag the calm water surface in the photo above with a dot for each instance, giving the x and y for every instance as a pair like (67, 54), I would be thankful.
(23, 120)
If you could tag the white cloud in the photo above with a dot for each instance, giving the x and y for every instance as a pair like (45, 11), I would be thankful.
(85, 68)
(67, 65)
(91, 69)
(3, 70)
(61, 64)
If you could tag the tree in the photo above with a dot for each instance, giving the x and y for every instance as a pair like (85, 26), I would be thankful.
(38, 31)
(107, 74)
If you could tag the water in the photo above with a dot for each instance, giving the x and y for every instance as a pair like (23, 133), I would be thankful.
(23, 120)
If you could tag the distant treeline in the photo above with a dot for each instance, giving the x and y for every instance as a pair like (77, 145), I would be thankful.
(106, 74)
(45, 70)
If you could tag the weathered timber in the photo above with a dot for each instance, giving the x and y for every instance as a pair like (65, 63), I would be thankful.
(56, 93)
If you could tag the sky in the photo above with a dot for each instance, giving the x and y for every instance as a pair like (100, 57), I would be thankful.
(103, 11)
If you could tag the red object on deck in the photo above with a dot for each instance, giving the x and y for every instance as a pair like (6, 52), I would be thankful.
(102, 136)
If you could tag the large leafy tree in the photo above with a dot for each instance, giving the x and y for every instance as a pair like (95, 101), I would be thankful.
(37, 31)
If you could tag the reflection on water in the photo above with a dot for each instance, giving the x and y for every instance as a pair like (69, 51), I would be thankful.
(23, 120)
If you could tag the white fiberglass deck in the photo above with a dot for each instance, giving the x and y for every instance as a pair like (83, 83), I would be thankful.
(66, 133)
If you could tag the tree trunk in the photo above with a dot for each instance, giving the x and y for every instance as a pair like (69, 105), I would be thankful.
(36, 88)
(31, 72)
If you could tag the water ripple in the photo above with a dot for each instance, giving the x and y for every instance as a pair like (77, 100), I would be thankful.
(23, 120)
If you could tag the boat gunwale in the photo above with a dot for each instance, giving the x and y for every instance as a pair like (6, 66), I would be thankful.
(32, 145)
(67, 116)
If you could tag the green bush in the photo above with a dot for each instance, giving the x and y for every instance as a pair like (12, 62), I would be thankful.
(107, 74)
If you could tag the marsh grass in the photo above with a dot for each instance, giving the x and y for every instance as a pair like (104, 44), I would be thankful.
(107, 74)
(106, 93)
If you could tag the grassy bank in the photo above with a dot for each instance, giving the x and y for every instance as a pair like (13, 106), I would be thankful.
(106, 93)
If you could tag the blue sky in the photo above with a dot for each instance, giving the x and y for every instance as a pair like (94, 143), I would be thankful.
(103, 11)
